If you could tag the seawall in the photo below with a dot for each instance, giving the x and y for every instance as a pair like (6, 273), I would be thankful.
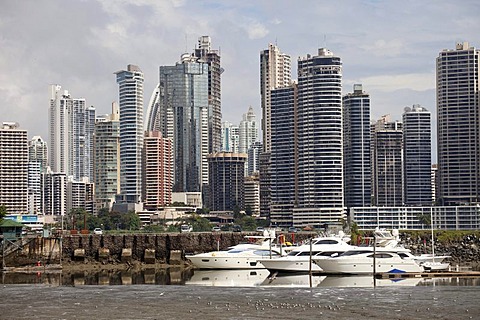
(170, 248)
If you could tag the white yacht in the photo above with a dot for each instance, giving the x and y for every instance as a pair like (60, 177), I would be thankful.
(298, 260)
(362, 262)
(241, 256)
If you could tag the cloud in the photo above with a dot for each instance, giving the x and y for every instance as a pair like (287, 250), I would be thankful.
(391, 49)
(256, 30)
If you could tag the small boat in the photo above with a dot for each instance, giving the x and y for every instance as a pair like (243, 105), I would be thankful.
(362, 262)
(430, 262)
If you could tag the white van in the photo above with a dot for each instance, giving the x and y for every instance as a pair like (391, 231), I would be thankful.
(186, 228)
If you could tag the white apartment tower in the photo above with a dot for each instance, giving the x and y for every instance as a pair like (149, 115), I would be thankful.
(275, 72)
(130, 84)
(230, 137)
(13, 168)
(248, 133)
(70, 135)
(37, 163)
(54, 193)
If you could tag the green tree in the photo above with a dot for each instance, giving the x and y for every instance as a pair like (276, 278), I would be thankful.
(3, 212)
(248, 223)
(198, 223)
(130, 221)
(75, 219)
(248, 211)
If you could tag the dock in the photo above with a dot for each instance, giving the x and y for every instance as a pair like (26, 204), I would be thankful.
(444, 274)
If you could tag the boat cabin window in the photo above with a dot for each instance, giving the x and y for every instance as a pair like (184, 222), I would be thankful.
(328, 254)
(293, 253)
(381, 255)
(307, 253)
(266, 253)
(326, 241)
(354, 252)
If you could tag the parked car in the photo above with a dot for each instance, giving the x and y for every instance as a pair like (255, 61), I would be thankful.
(186, 228)
(237, 228)
(216, 229)
(292, 230)
(260, 229)
(97, 231)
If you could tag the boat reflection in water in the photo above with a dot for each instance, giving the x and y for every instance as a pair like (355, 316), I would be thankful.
(292, 280)
(228, 278)
(367, 281)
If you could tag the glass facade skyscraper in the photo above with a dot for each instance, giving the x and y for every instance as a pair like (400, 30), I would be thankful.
(320, 146)
(417, 156)
(283, 154)
(183, 118)
(458, 126)
(130, 84)
(356, 148)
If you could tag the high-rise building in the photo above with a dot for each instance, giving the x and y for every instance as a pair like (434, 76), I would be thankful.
(37, 163)
(54, 193)
(275, 72)
(38, 152)
(252, 194)
(157, 171)
(212, 57)
(70, 135)
(248, 133)
(34, 187)
(458, 126)
(130, 83)
(387, 163)
(107, 158)
(13, 168)
(283, 166)
(264, 179)
(320, 145)
(80, 195)
(356, 148)
(183, 118)
(417, 156)
(230, 137)
(254, 158)
(226, 181)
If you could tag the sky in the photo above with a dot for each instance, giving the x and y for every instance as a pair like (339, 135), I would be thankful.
(389, 47)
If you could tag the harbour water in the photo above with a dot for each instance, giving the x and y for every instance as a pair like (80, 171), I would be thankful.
(247, 294)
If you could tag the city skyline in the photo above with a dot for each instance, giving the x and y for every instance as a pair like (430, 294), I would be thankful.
(391, 50)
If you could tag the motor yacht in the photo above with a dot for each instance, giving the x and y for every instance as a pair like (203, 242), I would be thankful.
(298, 260)
(241, 256)
(362, 262)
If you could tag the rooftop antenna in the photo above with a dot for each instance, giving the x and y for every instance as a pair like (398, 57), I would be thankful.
(276, 44)
(186, 42)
